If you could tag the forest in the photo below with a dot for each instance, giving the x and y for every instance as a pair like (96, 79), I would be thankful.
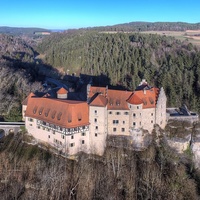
(29, 172)
(126, 58)
(150, 26)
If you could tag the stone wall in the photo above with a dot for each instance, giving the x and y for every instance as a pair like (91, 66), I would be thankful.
(161, 118)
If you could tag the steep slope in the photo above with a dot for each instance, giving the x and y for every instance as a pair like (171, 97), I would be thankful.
(18, 75)
(27, 172)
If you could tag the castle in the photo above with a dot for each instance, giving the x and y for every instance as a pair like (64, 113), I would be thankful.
(73, 126)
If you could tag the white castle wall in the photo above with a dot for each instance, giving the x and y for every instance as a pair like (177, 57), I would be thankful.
(70, 144)
(118, 122)
(98, 129)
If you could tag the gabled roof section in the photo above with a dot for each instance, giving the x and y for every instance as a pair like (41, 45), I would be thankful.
(47, 95)
(100, 101)
(147, 98)
(62, 91)
(117, 99)
(95, 90)
(25, 102)
(134, 99)
(63, 113)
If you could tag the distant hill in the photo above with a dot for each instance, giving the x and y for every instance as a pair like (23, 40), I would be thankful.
(150, 26)
(17, 31)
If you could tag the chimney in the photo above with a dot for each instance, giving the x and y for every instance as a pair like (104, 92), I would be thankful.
(88, 90)
(144, 90)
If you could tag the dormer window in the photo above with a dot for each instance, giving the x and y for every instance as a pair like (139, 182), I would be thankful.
(47, 112)
(151, 100)
(79, 117)
(41, 110)
(35, 109)
(69, 118)
(53, 114)
(117, 102)
(59, 116)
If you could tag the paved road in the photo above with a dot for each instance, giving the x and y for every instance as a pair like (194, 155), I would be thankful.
(12, 123)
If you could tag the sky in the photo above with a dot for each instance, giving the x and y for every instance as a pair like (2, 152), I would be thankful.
(68, 14)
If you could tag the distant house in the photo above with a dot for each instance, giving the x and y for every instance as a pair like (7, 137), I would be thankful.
(42, 33)
(74, 126)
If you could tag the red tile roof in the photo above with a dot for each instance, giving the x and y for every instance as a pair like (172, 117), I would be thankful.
(63, 113)
(100, 100)
(146, 97)
(117, 99)
(62, 91)
(25, 102)
(94, 90)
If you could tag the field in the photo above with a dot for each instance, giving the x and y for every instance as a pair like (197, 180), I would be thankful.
(192, 36)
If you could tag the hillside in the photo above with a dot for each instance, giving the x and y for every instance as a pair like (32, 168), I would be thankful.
(20, 74)
(27, 172)
(126, 58)
(16, 31)
(150, 26)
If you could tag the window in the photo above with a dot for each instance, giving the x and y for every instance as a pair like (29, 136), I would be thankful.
(117, 113)
(72, 137)
(38, 127)
(115, 121)
(95, 119)
(62, 136)
(96, 134)
(138, 107)
(123, 122)
(134, 123)
(123, 129)
(114, 129)
(43, 128)
(72, 144)
(96, 127)
(134, 114)
(53, 132)
(95, 111)
(30, 124)
(126, 113)
(48, 136)
(83, 141)
(110, 112)
(30, 119)
(151, 114)
(152, 121)
(83, 134)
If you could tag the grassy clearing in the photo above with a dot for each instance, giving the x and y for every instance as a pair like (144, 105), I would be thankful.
(192, 36)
